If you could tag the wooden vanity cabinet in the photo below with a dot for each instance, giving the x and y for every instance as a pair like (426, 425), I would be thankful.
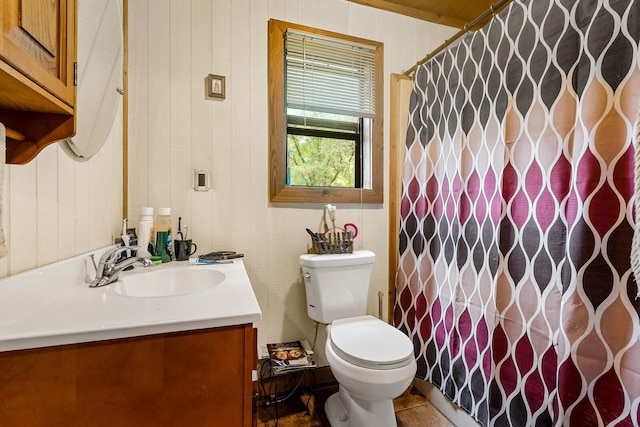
(37, 74)
(193, 378)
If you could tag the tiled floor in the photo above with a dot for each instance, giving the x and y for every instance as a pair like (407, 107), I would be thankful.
(412, 410)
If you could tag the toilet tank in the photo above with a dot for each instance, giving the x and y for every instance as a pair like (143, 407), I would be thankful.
(337, 286)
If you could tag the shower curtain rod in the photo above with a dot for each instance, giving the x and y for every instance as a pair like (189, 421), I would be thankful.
(495, 7)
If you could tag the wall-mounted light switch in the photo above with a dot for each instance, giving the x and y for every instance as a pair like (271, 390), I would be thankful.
(201, 180)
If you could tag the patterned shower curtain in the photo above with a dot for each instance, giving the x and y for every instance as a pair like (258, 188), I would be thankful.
(514, 279)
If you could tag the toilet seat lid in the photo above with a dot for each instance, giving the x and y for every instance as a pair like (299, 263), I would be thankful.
(371, 343)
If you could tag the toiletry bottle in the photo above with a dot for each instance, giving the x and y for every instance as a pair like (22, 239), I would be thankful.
(133, 238)
(125, 239)
(164, 243)
(146, 232)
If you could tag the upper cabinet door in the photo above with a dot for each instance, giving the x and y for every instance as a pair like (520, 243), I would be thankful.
(38, 40)
(37, 74)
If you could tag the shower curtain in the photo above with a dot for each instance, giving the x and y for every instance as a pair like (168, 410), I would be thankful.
(514, 279)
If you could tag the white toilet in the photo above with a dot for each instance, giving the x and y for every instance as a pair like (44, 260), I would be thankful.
(372, 361)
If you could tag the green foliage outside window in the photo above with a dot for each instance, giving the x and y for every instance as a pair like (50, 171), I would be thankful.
(321, 162)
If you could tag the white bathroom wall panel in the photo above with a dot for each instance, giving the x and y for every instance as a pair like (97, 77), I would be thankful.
(21, 229)
(173, 129)
(47, 187)
(67, 207)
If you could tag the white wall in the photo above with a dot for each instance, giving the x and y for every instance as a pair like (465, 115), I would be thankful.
(173, 46)
(54, 207)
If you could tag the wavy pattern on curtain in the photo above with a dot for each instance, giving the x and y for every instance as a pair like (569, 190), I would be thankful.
(514, 278)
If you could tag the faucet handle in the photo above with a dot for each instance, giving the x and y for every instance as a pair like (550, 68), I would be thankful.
(108, 259)
(89, 262)
(109, 272)
(111, 256)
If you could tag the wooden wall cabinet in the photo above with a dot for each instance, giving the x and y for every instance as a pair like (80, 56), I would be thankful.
(37, 74)
(194, 378)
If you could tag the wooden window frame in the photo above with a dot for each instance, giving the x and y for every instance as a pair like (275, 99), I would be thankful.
(278, 189)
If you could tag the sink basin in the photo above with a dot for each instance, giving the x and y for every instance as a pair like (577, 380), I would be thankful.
(167, 282)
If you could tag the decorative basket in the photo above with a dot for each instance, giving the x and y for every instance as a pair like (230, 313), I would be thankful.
(340, 242)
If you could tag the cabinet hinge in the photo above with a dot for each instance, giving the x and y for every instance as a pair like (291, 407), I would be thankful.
(75, 74)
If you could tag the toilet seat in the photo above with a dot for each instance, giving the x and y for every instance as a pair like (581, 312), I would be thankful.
(368, 342)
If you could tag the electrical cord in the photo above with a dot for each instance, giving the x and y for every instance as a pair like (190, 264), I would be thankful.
(315, 336)
(271, 397)
(311, 389)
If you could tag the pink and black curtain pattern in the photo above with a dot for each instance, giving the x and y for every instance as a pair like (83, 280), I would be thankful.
(514, 279)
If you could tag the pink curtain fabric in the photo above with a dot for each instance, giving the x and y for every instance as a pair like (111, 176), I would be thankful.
(514, 279)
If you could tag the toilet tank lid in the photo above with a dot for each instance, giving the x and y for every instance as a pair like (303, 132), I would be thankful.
(337, 260)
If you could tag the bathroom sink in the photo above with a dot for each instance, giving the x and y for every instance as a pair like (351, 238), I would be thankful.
(166, 298)
(167, 282)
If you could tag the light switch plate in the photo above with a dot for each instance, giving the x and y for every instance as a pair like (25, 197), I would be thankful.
(201, 180)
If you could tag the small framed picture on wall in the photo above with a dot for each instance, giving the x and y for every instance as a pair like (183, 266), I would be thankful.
(215, 86)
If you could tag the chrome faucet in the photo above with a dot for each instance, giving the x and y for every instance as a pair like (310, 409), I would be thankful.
(109, 268)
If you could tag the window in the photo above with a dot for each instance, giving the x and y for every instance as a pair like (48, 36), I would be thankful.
(325, 122)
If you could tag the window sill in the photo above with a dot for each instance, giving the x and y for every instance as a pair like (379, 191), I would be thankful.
(326, 195)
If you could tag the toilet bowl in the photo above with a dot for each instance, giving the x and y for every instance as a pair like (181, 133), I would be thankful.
(372, 361)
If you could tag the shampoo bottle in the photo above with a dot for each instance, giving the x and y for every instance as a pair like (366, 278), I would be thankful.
(164, 242)
(145, 232)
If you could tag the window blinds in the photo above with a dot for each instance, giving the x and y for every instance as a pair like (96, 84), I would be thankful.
(329, 76)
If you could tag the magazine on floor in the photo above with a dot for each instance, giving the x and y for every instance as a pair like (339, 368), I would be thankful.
(289, 356)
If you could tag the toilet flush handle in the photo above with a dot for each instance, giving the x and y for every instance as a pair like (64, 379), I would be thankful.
(307, 275)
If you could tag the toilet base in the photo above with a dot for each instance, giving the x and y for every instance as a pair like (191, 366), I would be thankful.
(343, 410)
(335, 411)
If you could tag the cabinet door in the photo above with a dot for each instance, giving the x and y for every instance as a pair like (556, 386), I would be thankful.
(38, 40)
(193, 378)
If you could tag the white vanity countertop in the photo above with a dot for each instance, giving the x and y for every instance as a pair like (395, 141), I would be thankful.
(54, 306)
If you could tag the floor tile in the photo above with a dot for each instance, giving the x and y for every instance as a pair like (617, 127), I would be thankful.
(421, 416)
